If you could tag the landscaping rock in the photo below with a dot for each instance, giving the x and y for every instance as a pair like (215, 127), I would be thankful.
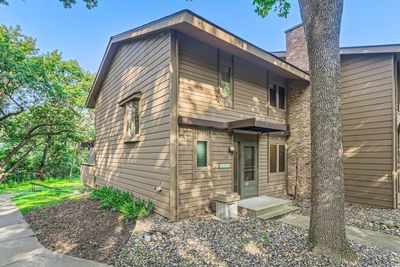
(247, 242)
(376, 219)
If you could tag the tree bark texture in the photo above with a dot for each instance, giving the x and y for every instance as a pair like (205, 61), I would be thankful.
(322, 20)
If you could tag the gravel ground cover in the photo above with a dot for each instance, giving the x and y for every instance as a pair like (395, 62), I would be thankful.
(382, 220)
(246, 242)
(82, 229)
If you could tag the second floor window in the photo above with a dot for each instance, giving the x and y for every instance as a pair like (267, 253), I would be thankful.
(225, 79)
(132, 123)
(277, 96)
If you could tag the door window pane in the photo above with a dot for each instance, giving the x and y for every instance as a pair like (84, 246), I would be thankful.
(282, 159)
(249, 162)
(272, 158)
(201, 154)
(272, 95)
(282, 98)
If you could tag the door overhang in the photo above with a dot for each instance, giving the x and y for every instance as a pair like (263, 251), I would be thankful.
(249, 124)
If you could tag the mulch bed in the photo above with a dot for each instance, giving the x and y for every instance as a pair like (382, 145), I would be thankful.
(82, 229)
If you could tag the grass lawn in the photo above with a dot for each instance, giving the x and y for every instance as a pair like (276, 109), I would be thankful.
(28, 201)
(11, 188)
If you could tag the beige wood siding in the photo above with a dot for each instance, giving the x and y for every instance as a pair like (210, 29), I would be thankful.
(198, 86)
(367, 83)
(140, 66)
(195, 186)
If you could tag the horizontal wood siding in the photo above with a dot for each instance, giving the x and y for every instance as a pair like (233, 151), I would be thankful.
(367, 82)
(198, 86)
(196, 187)
(140, 66)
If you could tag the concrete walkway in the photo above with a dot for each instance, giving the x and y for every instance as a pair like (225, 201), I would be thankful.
(385, 241)
(19, 246)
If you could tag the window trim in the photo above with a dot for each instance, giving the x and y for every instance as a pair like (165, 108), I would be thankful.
(195, 154)
(277, 158)
(228, 98)
(277, 97)
(135, 136)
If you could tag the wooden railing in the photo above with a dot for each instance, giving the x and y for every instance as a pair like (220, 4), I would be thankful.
(88, 174)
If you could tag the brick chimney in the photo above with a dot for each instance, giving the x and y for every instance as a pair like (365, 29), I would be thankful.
(296, 47)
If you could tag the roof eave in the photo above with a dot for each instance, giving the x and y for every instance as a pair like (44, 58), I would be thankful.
(172, 22)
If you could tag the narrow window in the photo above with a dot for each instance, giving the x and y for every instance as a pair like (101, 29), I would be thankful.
(282, 97)
(201, 154)
(226, 80)
(272, 158)
(282, 158)
(272, 95)
(132, 123)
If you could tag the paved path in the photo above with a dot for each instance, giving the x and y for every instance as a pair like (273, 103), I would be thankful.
(19, 246)
(385, 241)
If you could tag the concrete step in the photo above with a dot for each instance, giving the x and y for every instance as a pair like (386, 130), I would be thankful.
(278, 213)
(258, 206)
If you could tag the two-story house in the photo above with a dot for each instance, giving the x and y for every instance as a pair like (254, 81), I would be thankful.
(185, 110)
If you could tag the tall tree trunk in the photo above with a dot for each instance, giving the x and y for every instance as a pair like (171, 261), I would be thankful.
(322, 20)
(73, 160)
(40, 173)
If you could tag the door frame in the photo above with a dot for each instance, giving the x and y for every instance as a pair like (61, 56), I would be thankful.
(238, 140)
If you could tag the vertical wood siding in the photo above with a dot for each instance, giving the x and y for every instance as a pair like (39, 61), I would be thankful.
(142, 65)
(367, 83)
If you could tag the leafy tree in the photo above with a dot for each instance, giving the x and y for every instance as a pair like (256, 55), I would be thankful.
(322, 21)
(67, 3)
(49, 119)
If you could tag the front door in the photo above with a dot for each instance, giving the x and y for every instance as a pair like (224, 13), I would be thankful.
(248, 168)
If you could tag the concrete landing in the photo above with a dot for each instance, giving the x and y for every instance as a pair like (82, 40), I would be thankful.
(385, 241)
(19, 246)
(266, 207)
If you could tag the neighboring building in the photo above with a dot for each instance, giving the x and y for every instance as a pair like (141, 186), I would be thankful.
(185, 110)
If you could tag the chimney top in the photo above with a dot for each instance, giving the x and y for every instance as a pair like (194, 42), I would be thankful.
(294, 27)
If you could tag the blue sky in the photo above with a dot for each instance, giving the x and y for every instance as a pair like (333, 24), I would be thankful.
(83, 34)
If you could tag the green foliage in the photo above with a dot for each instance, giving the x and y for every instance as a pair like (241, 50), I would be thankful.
(265, 239)
(30, 201)
(264, 7)
(114, 199)
(66, 3)
(42, 112)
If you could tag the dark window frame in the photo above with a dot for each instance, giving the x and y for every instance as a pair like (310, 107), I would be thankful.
(275, 150)
(227, 98)
(207, 153)
(275, 93)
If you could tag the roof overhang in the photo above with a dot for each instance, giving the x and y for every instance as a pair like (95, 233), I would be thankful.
(193, 25)
(370, 49)
(250, 124)
(359, 50)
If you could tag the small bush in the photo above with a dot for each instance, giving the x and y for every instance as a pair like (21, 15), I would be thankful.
(114, 199)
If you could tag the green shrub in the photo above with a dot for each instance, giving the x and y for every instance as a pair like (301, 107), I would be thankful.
(114, 199)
